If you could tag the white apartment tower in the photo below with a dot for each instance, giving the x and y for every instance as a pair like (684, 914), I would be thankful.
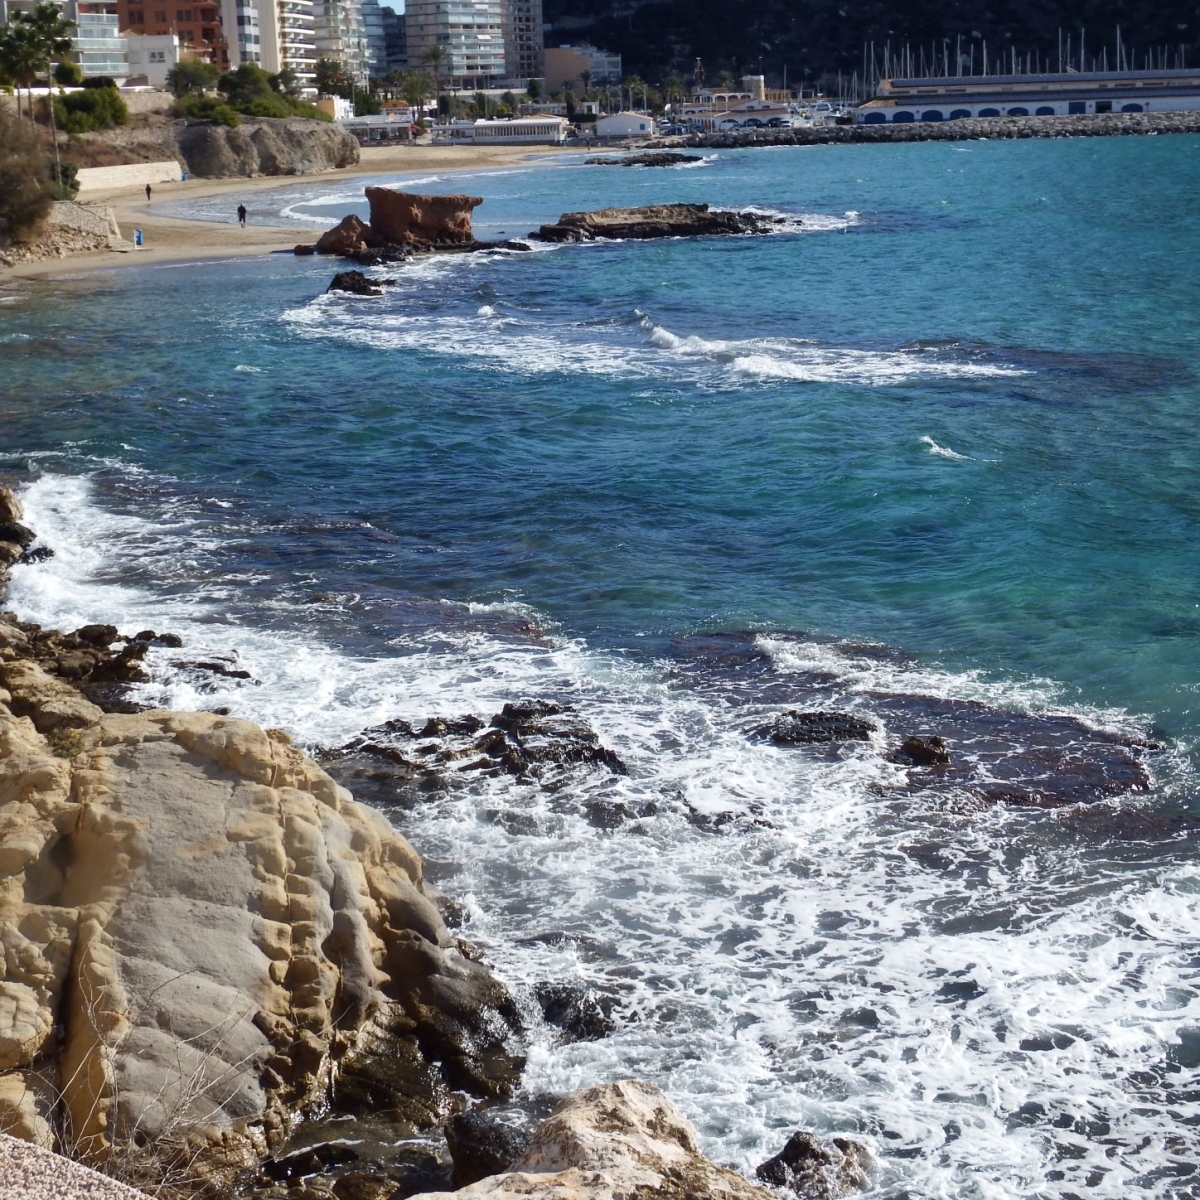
(523, 39)
(471, 30)
(288, 39)
(239, 19)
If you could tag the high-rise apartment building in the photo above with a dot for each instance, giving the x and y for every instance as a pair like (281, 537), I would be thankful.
(472, 31)
(242, 35)
(288, 40)
(96, 41)
(523, 39)
(339, 34)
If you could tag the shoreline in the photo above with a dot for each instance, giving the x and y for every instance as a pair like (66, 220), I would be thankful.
(179, 240)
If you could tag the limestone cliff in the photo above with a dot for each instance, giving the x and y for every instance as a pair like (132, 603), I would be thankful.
(294, 146)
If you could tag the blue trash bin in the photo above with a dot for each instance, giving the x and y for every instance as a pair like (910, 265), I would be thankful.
(137, 237)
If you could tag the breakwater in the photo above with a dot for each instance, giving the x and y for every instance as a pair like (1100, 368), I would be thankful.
(968, 129)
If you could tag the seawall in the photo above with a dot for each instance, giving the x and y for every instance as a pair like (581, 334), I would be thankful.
(967, 129)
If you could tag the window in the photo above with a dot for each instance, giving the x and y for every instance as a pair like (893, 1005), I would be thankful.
(1044, 111)
(1104, 106)
(1018, 112)
(959, 113)
(157, 56)
(1075, 107)
(931, 114)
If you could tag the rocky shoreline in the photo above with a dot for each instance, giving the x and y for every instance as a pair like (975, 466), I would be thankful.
(213, 956)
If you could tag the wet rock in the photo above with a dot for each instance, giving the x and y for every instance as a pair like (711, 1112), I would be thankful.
(364, 1185)
(925, 751)
(538, 733)
(818, 1170)
(36, 554)
(172, 640)
(440, 727)
(658, 158)
(354, 282)
(308, 1161)
(578, 1010)
(16, 533)
(381, 256)
(654, 221)
(304, 250)
(607, 814)
(804, 728)
(349, 235)
(483, 1143)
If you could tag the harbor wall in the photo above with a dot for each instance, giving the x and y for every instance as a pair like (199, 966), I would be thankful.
(966, 129)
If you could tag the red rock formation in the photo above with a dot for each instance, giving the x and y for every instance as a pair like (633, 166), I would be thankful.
(404, 218)
(345, 238)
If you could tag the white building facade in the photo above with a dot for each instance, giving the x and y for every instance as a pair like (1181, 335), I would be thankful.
(151, 56)
(472, 31)
(239, 18)
(288, 39)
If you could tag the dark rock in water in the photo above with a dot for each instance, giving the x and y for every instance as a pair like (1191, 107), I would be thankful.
(538, 733)
(172, 640)
(925, 751)
(654, 221)
(656, 158)
(98, 635)
(582, 1014)
(483, 1144)
(416, 1170)
(213, 668)
(607, 814)
(364, 1185)
(383, 256)
(308, 1161)
(519, 246)
(815, 1170)
(444, 726)
(803, 728)
(354, 282)
(35, 554)
(16, 533)
(304, 249)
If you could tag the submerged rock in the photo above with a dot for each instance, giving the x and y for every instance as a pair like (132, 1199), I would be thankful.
(654, 221)
(618, 1139)
(815, 1170)
(925, 751)
(804, 728)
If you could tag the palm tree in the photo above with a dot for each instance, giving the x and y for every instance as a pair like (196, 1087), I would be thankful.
(24, 59)
(416, 89)
(433, 57)
(53, 31)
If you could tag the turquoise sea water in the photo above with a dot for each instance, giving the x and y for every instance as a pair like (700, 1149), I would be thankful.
(954, 415)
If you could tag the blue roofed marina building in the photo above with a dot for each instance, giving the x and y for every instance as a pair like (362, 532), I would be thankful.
(951, 98)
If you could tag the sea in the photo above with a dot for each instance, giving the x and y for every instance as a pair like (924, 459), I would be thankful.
(927, 460)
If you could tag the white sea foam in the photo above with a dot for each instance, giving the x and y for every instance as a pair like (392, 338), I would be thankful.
(245, 369)
(970, 989)
(942, 451)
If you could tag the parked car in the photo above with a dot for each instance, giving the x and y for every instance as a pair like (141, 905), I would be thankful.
(752, 123)
(728, 124)
(777, 123)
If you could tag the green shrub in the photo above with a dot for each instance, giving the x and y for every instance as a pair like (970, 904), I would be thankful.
(91, 109)
(99, 81)
(68, 73)
(205, 108)
(192, 75)
(68, 181)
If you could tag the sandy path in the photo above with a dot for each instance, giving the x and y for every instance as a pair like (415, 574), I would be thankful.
(169, 239)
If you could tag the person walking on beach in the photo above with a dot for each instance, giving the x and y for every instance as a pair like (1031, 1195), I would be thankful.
(241, 214)
(147, 193)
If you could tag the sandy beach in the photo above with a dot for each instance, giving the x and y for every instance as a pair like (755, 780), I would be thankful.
(169, 239)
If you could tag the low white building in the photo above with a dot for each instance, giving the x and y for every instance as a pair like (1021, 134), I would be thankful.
(520, 131)
(151, 56)
(626, 124)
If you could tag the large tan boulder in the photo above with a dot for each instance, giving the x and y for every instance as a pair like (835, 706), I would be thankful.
(617, 1139)
(201, 933)
(405, 218)
(348, 236)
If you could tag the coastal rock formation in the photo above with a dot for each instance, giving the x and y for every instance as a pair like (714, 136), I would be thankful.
(654, 221)
(405, 218)
(202, 934)
(265, 146)
(617, 1139)
(354, 282)
(347, 237)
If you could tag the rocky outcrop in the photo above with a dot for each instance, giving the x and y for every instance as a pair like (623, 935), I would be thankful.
(815, 1170)
(406, 219)
(69, 228)
(655, 158)
(354, 282)
(655, 221)
(348, 237)
(265, 146)
(202, 935)
(618, 1139)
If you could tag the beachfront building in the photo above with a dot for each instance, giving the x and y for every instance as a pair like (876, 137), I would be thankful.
(572, 64)
(625, 124)
(97, 43)
(287, 39)
(519, 131)
(899, 101)
(471, 31)
(340, 34)
(196, 24)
